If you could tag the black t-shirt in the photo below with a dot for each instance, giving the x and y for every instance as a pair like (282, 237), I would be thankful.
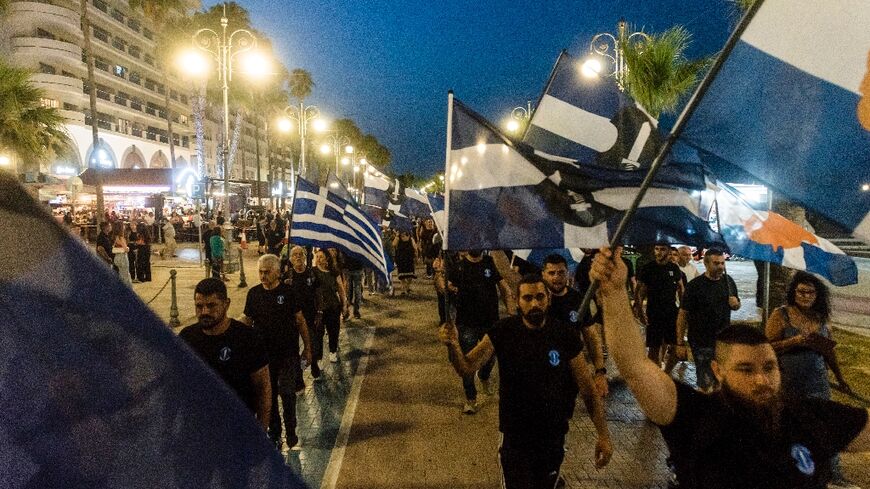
(661, 286)
(234, 356)
(477, 299)
(274, 315)
(714, 447)
(706, 302)
(206, 240)
(564, 308)
(536, 385)
(327, 286)
(304, 287)
(104, 242)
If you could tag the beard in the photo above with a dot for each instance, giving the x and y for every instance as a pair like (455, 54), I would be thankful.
(535, 316)
(766, 414)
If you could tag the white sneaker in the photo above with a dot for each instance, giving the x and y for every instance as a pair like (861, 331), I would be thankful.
(333, 357)
(469, 407)
(486, 386)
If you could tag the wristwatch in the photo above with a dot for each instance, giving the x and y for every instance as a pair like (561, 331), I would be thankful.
(601, 371)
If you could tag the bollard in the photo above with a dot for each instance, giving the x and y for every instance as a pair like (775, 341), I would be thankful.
(173, 307)
(242, 282)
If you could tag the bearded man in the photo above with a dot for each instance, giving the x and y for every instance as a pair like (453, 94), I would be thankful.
(746, 434)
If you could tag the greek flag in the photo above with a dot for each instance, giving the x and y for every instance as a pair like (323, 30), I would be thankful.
(789, 103)
(501, 195)
(377, 188)
(325, 220)
(106, 401)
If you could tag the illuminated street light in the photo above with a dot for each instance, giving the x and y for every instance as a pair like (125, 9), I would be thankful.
(337, 141)
(5, 160)
(325, 149)
(224, 49)
(519, 117)
(302, 115)
(865, 187)
(609, 49)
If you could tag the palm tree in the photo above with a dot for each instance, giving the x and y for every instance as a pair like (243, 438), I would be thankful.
(301, 84)
(33, 132)
(264, 105)
(87, 50)
(659, 75)
(170, 20)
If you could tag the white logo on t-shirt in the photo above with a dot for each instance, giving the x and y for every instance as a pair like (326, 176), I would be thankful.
(487, 273)
(280, 299)
(225, 353)
(554, 358)
(573, 316)
(803, 459)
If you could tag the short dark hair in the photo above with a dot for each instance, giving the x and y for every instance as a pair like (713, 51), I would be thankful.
(742, 335)
(715, 252)
(822, 304)
(529, 278)
(211, 286)
(555, 259)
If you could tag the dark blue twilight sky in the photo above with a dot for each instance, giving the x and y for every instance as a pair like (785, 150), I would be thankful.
(388, 64)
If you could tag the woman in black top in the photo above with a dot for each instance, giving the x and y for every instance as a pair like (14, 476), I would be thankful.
(332, 300)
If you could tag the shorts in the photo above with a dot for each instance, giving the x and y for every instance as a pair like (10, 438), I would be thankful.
(661, 330)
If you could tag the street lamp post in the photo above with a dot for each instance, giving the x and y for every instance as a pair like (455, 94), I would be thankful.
(520, 116)
(339, 142)
(224, 48)
(302, 115)
(610, 48)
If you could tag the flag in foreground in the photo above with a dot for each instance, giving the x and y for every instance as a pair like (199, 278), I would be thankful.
(323, 219)
(790, 105)
(770, 237)
(97, 391)
(500, 195)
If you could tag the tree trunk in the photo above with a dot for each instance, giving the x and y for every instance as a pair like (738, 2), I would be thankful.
(781, 276)
(234, 143)
(169, 120)
(92, 95)
(257, 155)
(199, 128)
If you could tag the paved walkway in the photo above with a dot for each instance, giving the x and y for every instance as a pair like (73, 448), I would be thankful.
(387, 415)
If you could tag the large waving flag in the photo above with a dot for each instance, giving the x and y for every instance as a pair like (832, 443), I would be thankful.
(589, 120)
(336, 186)
(97, 391)
(500, 195)
(436, 205)
(770, 237)
(790, 104)
(323, 219)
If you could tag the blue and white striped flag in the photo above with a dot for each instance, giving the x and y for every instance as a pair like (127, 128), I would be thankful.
(790, 105)
(323, 219)
(500, 195)
(436, 205)
(591, 121)
(377, 188)
(97, 391)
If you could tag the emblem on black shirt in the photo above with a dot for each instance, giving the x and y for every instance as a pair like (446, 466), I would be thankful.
(308, 281)
(280, 299)
(573, 316)
(487, 273)
(554, 358)
(803, 459)
(225, 353)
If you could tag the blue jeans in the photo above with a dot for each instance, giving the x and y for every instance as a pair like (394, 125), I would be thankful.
(354, 289)
(703, 358)
(468, 339)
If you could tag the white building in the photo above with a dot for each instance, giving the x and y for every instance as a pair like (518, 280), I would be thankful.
(45, 36)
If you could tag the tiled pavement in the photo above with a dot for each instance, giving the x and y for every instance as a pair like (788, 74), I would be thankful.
(408, 428)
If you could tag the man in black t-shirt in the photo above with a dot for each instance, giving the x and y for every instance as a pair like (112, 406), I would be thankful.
(705, 310)
(104, 244)
(272, 309)
(476, 282)
(306, 294)
(659, 282)
(744, 436)
(540, 372)
(564, 306)
(233, 350)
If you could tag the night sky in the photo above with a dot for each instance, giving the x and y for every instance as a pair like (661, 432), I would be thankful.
(388, 64)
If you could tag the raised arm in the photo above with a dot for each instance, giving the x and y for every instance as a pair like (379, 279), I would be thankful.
(507, 296)
(654, 390)
(462, 363)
